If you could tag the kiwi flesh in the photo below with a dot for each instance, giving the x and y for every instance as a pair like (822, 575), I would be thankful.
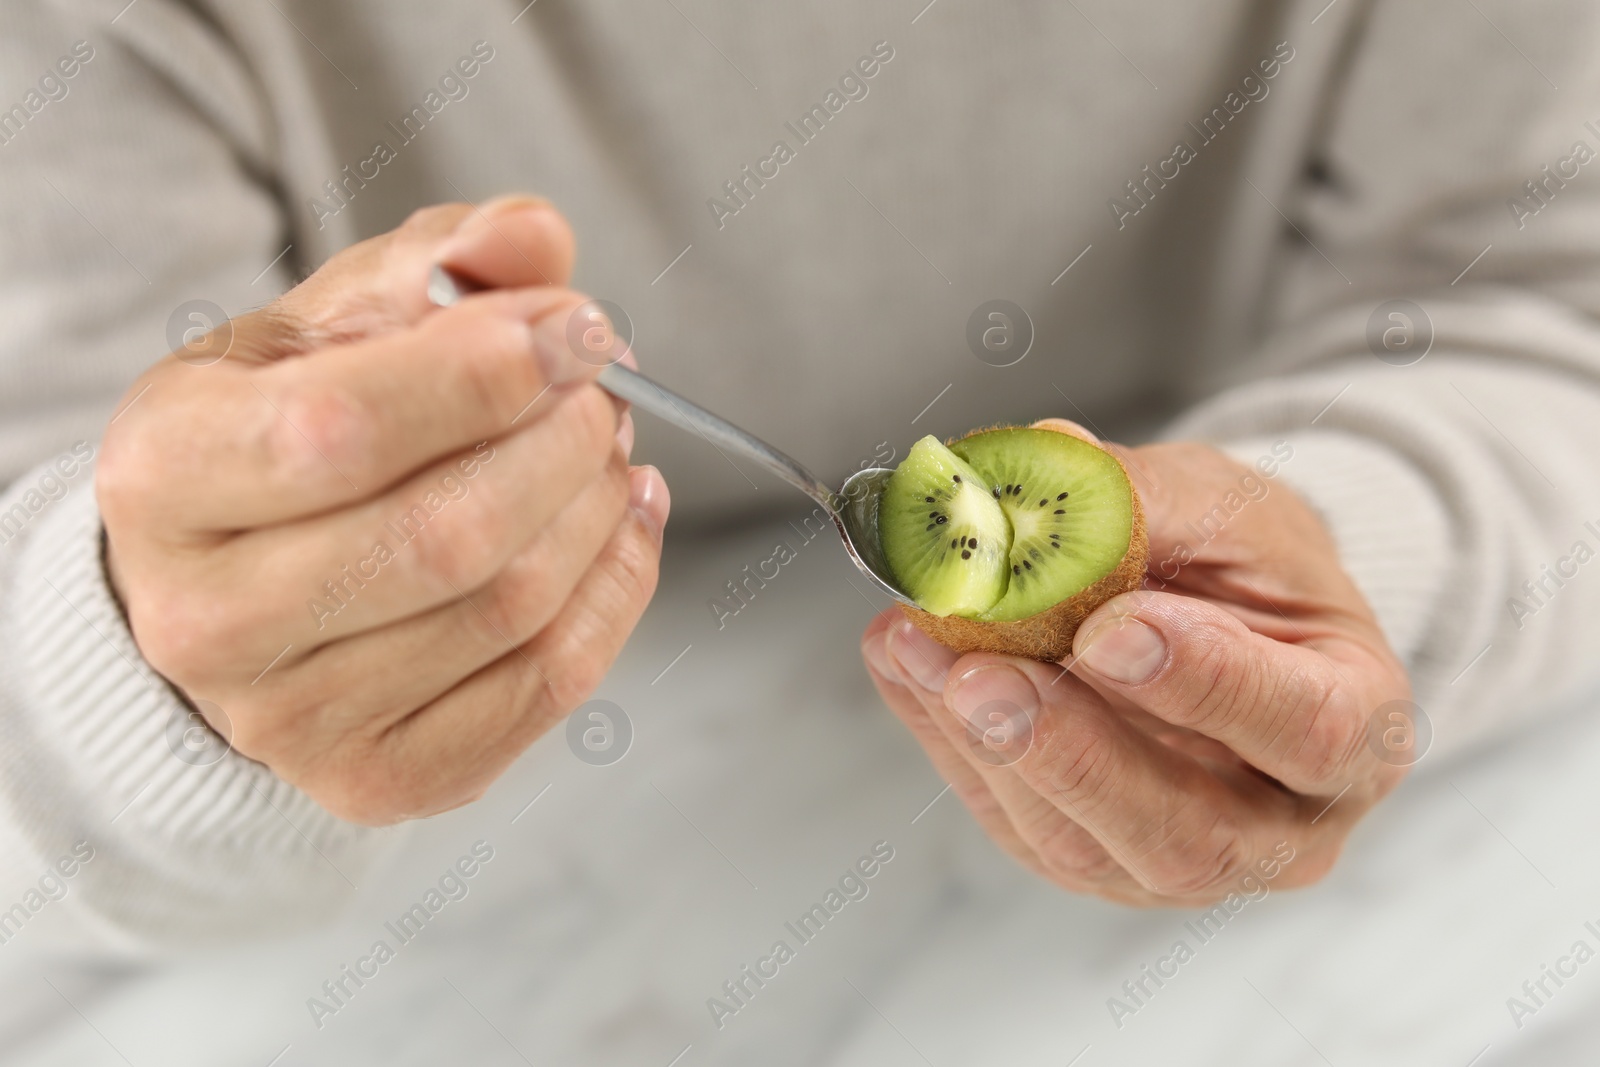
(951, 542)
(1070, 536)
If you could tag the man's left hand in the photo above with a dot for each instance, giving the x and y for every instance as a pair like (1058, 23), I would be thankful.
(1204, 728)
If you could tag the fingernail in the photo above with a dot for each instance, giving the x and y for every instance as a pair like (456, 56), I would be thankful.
(554, 350)
(875, 650)
(993, 693)
(1122, 650)
(920, 658)
(625, 433)
(649, 499)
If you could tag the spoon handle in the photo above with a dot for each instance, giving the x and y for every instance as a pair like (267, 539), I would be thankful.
(445, 288)
(627, 384)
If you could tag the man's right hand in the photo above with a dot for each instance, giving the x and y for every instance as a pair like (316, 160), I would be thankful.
(361, 535)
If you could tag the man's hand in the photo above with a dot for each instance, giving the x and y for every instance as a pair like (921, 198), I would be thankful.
(392, 543)
(1200, 722)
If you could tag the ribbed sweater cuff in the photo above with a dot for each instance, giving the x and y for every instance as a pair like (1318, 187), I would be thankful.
(120, 726)
(1391, 529)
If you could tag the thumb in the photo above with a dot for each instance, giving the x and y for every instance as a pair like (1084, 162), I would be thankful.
(381, 285)
(1067, 426)
(1282, 707)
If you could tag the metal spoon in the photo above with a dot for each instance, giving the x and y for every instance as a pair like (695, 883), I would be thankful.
(854, 507)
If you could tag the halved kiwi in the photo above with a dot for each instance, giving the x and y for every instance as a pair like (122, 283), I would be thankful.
(1010, 537)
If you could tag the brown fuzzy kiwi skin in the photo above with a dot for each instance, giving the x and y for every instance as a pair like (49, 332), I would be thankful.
(1048, 635)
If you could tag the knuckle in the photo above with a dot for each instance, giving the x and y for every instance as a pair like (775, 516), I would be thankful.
(119, 484)
(592, 421)
(315, 435)
(1335, 731)
(635, 571)
(264, 733)
(1218, 686)
(1311, 866)
(1067, 852)
(1193, 864)
(460, 549)
(180, 634)
(518, 596)
(127, 472)
(366, 799)
(1079, 762)
(358, 781)
(572, 682)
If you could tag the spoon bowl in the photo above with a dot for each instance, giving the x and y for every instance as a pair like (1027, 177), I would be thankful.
(861, 497)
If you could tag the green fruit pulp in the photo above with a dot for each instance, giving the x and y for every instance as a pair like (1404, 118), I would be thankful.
(1005, 523)
(943, 532)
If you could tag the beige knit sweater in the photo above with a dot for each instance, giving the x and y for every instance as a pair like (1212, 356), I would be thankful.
(801, 207)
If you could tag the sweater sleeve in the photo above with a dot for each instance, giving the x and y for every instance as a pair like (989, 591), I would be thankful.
(1429, 348)
(123, 196)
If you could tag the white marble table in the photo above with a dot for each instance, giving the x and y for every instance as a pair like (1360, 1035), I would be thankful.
(761, 769)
